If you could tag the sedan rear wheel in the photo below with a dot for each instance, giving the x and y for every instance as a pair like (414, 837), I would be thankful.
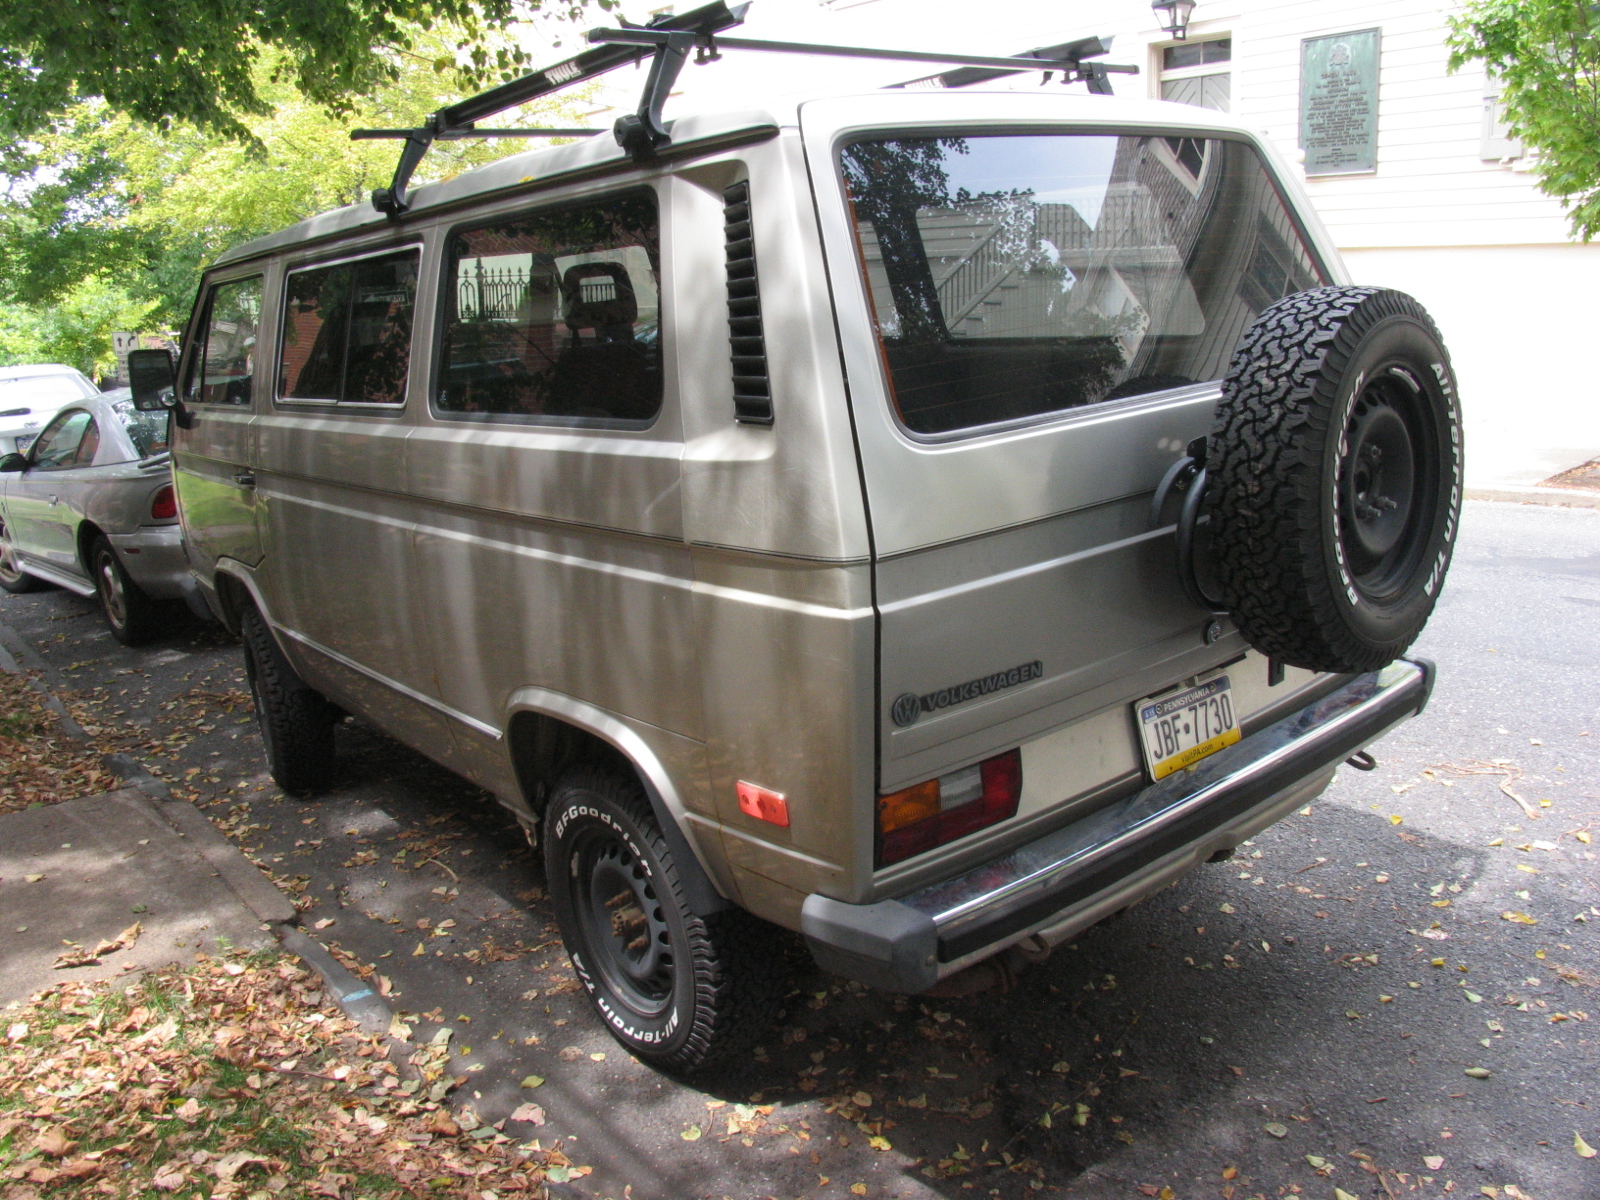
(12, 577)
(128, 611)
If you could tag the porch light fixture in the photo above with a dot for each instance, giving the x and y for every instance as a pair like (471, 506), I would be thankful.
(1174, 16)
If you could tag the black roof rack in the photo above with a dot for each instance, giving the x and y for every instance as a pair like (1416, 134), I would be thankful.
(667, 41)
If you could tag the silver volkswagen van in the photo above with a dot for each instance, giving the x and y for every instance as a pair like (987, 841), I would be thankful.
(929, 521)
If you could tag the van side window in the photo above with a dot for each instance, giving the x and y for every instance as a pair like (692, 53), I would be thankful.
(225, 361)
(555, 315)
(347, 331)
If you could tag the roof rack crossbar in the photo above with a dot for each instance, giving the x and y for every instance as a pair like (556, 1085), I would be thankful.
(454, 135)
(457, 120)
(1067, 57)
(667, 41)
(1002, 66)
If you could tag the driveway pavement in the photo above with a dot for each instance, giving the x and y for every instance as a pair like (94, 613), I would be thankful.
(1298, 1020)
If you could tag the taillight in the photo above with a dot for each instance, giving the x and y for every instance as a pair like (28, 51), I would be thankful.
(941, 810)
(164, 504)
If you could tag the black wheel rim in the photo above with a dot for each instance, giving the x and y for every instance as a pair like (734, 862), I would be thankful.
(1388, 486)
(622, 922)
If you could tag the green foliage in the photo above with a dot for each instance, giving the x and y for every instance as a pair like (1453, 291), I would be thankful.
(76, 329)
(194, 61)
(106, 221)
(1546, 54)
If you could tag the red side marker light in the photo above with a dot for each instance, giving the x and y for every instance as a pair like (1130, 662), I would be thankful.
(763, 804)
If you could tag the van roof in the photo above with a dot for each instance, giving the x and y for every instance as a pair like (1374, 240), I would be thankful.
(701, 133)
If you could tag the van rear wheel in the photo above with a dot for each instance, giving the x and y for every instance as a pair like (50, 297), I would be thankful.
(677, 990)
(296, 722)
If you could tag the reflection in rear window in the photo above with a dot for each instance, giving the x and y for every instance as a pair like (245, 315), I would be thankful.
(1013, 276)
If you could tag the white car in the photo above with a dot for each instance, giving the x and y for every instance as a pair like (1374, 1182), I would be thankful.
(31, 395)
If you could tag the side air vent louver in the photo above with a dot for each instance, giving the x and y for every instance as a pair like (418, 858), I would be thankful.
(752, 391)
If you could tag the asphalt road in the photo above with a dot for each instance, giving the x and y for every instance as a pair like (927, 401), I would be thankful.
(1298, 1020)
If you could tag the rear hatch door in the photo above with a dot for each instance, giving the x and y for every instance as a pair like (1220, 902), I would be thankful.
(1035, 308)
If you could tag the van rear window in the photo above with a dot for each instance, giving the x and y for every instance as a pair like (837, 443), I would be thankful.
(555, 316)
(347, 330)
(1018, 275)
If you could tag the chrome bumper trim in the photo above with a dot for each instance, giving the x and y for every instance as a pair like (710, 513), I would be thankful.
(982, 902)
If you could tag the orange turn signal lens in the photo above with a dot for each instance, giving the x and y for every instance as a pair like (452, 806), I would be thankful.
(908, 806)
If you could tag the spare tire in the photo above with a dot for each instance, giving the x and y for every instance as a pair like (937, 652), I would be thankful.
(1334, 477)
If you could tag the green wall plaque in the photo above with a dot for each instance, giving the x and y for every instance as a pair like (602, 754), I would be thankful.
(1339, 102)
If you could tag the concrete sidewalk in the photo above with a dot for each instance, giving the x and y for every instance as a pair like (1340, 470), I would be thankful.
(1515, 449)
(82, 872)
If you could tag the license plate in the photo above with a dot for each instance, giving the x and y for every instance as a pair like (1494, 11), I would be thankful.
(1181, 729)
(24, 442)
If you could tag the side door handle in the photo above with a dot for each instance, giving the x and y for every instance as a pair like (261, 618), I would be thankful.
(245, 479)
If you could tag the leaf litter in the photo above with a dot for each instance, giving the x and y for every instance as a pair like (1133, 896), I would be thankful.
(235, 1076)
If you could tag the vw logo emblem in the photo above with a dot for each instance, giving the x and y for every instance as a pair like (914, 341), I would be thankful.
(907, 708)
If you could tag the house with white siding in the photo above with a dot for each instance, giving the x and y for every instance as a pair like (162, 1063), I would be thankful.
(1439, 203)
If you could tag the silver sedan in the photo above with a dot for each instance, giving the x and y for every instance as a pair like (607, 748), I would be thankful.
(90, 507)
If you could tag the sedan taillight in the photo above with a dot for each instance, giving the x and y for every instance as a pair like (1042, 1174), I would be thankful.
(164, 504)
(941, 810)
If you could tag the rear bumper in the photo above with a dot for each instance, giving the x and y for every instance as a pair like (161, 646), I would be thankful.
(154, 559)
(1070, 878)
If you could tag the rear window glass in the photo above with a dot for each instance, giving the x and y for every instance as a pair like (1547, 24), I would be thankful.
(146, 430)
(347, 331)
(1019, 275)
(555, 315)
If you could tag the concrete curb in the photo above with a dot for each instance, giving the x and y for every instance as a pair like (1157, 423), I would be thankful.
(360, 1001)
(1519, 494)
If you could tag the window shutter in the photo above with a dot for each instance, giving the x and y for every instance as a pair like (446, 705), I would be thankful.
(752, 391)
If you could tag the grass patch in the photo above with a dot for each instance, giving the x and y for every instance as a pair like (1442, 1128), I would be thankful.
(233, 1077)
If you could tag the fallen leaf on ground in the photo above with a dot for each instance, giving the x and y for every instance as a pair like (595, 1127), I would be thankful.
(53, 1143)
(691, 1134)
(533, 1081)
(1582, 1147)
(532, 1114)
(1477, 1072)
(1520, 918)
(1276, 1130)
(1434, 1162)
(230, 1165)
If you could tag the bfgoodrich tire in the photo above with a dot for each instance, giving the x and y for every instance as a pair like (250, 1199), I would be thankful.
(1334, 477)
(296, 723)
(677, 990)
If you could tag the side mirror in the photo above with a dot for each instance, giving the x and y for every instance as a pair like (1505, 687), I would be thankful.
(14, 462)
(150, 376)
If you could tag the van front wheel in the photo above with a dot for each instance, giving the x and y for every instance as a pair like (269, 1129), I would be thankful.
(296, 723)
(678, 990)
